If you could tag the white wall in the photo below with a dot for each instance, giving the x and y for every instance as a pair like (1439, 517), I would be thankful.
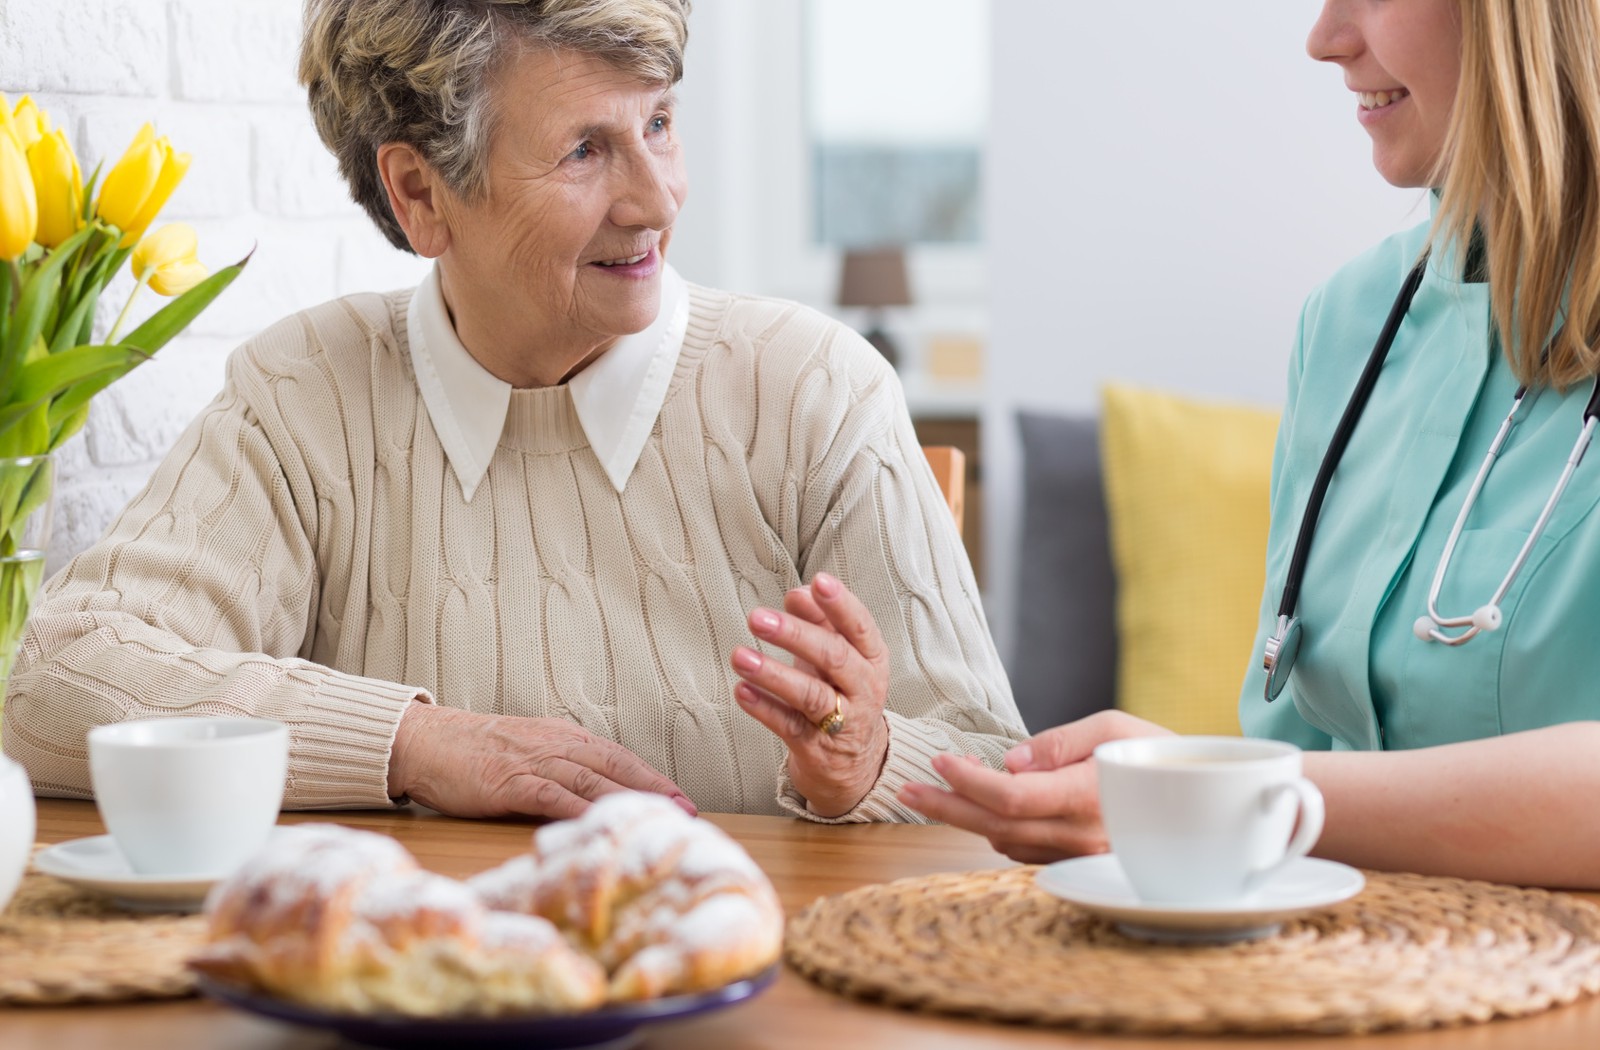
(1166, 182)
(219, 80)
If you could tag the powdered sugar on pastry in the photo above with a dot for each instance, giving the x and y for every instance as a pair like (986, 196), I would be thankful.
(346, 921)
(404, 895)
(666, 902)
(507, 887)
(635, 899)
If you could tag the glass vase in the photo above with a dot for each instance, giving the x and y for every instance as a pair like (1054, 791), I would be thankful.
(27, 486)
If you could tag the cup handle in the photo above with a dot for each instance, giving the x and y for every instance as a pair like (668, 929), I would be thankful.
(1305, 835)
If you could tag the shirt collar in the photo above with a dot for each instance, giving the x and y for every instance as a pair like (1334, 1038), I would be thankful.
(617, 397)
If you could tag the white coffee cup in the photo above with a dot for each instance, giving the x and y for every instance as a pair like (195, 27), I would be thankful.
(1205, 819)
(189, 796)
(16, 826)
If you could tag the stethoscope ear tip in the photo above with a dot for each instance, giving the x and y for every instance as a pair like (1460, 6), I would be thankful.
(1484, 618)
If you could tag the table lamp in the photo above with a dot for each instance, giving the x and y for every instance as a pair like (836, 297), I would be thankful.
(875, 278)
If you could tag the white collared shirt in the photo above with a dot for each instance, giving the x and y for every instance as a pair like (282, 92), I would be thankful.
(617, 397)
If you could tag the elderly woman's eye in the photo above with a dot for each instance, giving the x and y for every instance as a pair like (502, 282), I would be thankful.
(658, 124)
(581, 152)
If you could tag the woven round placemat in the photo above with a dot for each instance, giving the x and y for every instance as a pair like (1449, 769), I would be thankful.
(1408, 952)
(60, 944)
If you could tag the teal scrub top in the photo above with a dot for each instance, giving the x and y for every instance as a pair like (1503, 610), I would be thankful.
(1363, 680)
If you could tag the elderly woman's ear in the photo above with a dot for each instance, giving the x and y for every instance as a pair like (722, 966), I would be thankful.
(415, 196)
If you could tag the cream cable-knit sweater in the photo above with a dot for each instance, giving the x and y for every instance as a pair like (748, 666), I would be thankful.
(304, 554)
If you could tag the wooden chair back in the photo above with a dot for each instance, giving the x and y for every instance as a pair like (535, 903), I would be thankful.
(950, 469)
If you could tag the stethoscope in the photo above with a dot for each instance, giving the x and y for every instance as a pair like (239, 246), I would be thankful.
(1284, 645)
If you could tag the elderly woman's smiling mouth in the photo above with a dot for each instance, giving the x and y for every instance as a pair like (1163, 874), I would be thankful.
(645, 264)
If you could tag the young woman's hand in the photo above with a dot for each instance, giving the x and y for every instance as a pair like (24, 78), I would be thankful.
(1046, 806)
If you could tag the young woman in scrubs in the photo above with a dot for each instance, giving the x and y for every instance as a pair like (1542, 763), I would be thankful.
(1480, 759)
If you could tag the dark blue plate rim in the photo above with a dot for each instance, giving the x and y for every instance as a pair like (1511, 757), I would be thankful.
(620, 1018)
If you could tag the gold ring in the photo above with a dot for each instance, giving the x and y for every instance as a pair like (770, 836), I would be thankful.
(833, 721)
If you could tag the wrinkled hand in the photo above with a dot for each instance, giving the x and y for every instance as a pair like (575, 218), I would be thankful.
(475, 765)
(838, 652)
(1047, 806)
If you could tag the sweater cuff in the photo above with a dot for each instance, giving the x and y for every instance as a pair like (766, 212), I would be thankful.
(910, 760)
(339, 755)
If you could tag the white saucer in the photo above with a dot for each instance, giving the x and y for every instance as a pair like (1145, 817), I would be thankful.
(97, 864)
(1097, 884)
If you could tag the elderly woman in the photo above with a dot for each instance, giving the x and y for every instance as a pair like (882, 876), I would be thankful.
(497, 543)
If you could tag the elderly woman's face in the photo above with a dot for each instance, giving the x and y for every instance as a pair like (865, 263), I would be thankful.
(1403, 59)
(585, 181)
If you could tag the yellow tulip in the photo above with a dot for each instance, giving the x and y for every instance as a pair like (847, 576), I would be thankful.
(19, 208)
(58, 187)
(166, 260)
(31, 125)
(8, 127)
(140, 183)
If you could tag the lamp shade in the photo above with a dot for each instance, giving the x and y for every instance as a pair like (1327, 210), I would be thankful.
(874, 277)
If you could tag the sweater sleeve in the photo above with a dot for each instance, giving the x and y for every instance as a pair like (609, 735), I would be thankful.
(200, 600)
(874, 517)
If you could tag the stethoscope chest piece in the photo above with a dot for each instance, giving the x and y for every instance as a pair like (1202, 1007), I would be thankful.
(1282, 649)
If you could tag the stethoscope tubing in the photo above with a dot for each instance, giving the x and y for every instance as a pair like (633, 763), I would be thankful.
(1471, 622)
(1341, 438)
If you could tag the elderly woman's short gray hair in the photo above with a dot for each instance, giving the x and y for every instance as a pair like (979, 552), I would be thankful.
(419, 72)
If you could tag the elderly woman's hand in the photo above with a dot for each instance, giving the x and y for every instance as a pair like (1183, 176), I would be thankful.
(476, 765)
(1047, 805)
(841, 666)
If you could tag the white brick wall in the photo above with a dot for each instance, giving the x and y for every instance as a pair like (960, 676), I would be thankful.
(219, 79)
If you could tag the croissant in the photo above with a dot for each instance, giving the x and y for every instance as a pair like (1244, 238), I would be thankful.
(346, 921)
(665, 902)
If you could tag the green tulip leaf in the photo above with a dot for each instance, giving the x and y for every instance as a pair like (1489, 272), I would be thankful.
(29, 435)
(88, 192)
(38, 381)
(6, 289)
(76, 398)
(63, 425)
(69, 328)
(29, 421)
(38, 290)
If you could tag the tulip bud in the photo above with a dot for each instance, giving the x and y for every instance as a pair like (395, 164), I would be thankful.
(31, 124)
(19, 208)
(140, 183)
(166, 260)
(58, 187)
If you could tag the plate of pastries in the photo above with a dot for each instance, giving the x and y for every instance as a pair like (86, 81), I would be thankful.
(630, 913)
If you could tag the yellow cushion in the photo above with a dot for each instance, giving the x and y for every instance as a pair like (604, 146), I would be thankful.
(1186, 493)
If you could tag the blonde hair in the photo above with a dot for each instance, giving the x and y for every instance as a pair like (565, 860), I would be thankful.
(421, 71)
(1522, 159)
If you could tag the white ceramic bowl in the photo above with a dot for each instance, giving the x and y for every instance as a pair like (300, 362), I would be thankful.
(16, 826)
(189, 796)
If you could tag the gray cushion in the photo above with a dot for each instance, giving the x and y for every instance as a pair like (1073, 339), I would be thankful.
(1065, 662)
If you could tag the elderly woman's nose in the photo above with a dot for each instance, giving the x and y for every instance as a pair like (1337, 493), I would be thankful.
(651, 196)
(1334, 36)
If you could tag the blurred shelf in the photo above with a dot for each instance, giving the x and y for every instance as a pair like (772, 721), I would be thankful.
(935, 399)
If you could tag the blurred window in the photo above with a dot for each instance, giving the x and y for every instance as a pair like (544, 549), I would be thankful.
(897, 99)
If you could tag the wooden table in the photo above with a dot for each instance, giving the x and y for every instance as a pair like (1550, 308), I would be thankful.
(804, 861)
